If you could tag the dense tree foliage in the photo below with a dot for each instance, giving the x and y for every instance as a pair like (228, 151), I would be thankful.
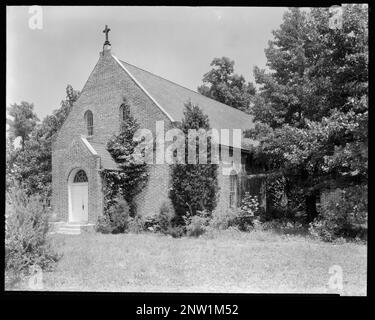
(22, 122)
(194, 186)
(222, 84)
(312, 106)
(31, 165)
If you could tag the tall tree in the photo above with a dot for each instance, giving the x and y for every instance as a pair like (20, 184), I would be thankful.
(194, 186)
(312, 106)
(23, 121)
(223, 85)
(32, 165)
(52, 123)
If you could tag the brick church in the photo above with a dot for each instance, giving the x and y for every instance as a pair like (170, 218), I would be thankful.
(79, 151)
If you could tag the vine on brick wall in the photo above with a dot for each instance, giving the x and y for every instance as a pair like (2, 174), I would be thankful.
(111, 187)
(133, 174)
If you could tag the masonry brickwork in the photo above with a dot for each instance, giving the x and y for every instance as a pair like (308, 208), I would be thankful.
(104, 92)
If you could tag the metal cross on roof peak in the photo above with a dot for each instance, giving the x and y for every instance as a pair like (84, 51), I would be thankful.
(106, 30)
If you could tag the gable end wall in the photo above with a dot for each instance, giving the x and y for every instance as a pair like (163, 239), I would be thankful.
(103, 94)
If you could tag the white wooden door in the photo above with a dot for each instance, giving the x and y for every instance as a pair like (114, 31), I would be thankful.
(85, 213)
(79, 197)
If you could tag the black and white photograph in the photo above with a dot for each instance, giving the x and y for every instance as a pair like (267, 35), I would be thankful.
(190, 149)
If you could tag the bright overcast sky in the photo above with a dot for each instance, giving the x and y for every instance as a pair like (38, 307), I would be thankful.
(177, 43)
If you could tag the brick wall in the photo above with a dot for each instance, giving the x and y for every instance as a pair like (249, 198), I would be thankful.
(64, 161)
(103, 94)
(156, 192)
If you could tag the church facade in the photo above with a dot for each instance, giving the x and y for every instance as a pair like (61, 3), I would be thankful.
(79, 150)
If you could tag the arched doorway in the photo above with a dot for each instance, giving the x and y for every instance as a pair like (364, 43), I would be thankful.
(78, 196)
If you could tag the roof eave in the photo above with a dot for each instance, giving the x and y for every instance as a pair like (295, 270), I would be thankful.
(143, 89)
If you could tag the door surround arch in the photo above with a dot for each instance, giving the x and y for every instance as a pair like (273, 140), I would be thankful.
(78, 195)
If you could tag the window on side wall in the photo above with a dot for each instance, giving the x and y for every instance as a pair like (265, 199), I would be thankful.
(233, 194)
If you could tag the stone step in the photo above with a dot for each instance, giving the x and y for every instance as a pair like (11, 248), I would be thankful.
(72, 228)
(68, 229)
(76, 224)
(66, 226)
(70, 232)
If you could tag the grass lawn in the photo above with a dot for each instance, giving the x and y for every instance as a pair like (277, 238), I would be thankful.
(227, 262)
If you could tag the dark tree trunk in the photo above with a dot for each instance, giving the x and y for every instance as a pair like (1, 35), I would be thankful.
(310, 201)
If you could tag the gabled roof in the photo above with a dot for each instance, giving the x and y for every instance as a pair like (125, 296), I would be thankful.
(171, 98)
(106, 161)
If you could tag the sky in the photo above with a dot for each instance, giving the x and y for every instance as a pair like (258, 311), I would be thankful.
(177, 43)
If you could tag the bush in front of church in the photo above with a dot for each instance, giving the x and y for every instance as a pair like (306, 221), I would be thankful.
(116, 218)
(103, 225)
(26, 230)
(136, 224)
(196, 225)
(165, 222)
(194, 187)
(343, 214)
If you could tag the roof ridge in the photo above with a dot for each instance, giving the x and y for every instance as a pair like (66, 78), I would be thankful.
(175, 83)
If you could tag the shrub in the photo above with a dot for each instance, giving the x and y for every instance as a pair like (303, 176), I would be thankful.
(161, 221)
(322, 229)
(284, 226)
(175, 231)
(277, 202)
(224, 219)
(26, 230)
(165, 222)
(136, 224)
(241, 218)
(116, 219)
(165, 218)
(249, 210)
(168, 223)
(285, 200)
(343, 214)
(103, 225)
(119, 216)
(150, 223)
(250, 204)
(196, 225)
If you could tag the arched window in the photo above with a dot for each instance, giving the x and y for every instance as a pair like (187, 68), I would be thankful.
(89, 122)
(233, 190)
(123, 112)
(80, 177)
